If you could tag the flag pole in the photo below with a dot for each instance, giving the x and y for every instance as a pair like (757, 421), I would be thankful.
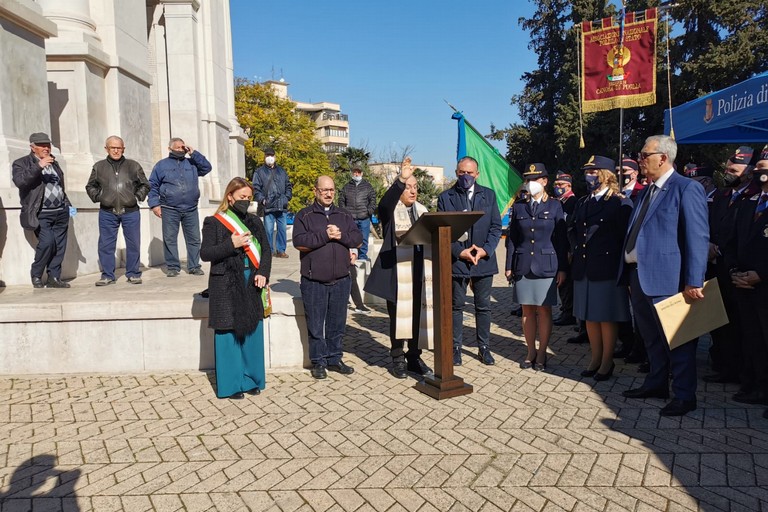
(470, 125)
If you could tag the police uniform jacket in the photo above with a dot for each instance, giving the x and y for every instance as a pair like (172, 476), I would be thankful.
(747, 249)
(722, 212)
(537, 244)
(599, 227)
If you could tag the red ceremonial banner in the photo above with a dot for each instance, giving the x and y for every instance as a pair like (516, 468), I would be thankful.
(616, 75)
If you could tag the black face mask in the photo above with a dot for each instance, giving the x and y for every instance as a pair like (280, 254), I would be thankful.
(178, 154)
(241, 207)
(731, 180)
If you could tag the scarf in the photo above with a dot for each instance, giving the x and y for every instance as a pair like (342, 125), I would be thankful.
(405, 298)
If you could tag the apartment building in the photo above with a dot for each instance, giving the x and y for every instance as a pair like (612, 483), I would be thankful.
(332, 126)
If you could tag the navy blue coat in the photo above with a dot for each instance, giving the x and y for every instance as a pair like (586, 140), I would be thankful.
(272, 188)
(537, 244)
(599, 228)
(747, 249)
(485, 233)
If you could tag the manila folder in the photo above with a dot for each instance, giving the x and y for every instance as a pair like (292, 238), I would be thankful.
(684, 320)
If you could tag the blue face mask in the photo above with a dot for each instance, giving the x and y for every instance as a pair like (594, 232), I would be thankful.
(593, 182)
(465, 181)
(559, 191)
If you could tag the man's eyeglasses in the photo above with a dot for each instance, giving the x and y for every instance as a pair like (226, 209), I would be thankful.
(643, 155)
(326, 190)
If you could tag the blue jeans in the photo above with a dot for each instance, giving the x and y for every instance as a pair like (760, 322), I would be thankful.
(325, 308)
(482, 290)
(190, 225)
(270, 219)
(364, 225)
(108, 226)
(51, 242)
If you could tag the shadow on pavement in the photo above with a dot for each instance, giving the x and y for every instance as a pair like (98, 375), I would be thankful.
(37, 484)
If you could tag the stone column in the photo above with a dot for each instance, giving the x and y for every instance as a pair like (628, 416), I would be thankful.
(77, 66)
(183, 74)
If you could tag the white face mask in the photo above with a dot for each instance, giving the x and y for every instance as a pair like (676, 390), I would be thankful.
(535, 188)
(270, 160)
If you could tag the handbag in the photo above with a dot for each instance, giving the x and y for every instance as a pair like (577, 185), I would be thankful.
(266, 300)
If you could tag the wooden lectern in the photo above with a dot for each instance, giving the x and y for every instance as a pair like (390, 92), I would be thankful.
(439, 229)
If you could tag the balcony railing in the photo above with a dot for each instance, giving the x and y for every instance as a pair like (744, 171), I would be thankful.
(335, 117)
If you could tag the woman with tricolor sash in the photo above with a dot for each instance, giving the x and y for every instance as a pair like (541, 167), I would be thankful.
(235, 243)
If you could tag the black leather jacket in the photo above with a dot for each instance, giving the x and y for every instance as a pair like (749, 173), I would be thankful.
(117, 185)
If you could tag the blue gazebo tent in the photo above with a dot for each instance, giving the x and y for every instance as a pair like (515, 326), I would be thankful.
(736, 114)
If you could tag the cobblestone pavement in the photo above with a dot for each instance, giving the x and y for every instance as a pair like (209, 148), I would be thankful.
(522, 441)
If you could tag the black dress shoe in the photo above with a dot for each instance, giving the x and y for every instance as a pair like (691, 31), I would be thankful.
(254, 391)
(341, 368)
(644, 367)
(37, 283)
(456, 357)
(580, 338)
(400, 369)
(720, 378)
(418, 367)
(318, 372)
(605, 376)
(486, 357)
(568, 320)
(237, 396)
(589, 373)
(646, 393)
(678, 408)
(55, 282)
(621, 351)
(752, 397)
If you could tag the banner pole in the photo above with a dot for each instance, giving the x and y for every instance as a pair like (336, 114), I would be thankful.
(621, 144)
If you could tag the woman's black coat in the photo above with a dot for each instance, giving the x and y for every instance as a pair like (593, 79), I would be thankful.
(232, 305)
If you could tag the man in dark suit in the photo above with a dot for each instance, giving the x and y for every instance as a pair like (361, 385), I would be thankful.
(665, 252)
(747, 256)
(473, 255)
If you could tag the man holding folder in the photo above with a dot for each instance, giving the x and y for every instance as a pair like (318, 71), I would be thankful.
(665, 253)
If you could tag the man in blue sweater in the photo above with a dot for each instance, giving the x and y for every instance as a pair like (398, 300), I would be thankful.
(173, 197)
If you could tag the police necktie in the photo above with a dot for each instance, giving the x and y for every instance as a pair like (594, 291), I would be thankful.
(762, 205)
(647, 200)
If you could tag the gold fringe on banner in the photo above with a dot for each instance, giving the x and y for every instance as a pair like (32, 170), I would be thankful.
(638, 100)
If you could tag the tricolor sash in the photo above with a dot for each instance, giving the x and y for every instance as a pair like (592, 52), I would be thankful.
(236, 226)
(252, 249)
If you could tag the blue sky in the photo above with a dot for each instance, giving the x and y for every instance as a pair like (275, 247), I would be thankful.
(391, 64)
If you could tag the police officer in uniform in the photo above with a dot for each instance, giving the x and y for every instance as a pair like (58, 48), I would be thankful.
(726, 351)
(600, 222)
(747, 256)
(537, 256)
(563, 191)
